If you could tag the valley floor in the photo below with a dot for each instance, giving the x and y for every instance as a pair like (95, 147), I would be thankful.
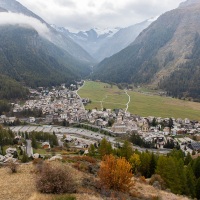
(145, 104)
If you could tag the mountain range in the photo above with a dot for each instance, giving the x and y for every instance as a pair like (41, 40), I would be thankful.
(104, 43)
(165, 55)
(33, 53)
(156, 52)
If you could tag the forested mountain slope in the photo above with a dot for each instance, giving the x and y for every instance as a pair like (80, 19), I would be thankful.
(33, 53)
(164, 48)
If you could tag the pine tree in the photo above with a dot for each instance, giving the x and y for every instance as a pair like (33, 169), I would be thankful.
(188, 159)
(145, 158)
(24, 157)
(152, 165)
(105, 148)
(154, 122)
(34, 142)
(198, 188)
(91, 150)
(167, 168)
(126, 151)
(196, 167)
(191, 181)
(171, 124)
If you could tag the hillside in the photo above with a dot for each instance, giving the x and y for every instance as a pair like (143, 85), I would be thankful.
(33, 53)
(30, 59)
(22, 187)
(58, 39)
(159, 51)
(11, 89)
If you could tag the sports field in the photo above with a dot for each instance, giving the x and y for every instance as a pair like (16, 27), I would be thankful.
(104, 95)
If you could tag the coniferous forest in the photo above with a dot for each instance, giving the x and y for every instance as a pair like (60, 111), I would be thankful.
(185, 82)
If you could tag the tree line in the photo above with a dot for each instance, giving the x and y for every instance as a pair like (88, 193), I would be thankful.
(179, 173)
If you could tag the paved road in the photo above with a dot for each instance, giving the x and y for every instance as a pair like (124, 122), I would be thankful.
(80, 133)
(79, 95)
(29, 149)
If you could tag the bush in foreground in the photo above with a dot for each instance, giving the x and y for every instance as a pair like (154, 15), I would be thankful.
(13, 166)
(157, 182)
(55, 177)
(115, 173)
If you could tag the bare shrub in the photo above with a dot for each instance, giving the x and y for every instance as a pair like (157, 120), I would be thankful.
(142, 179)
(38, 163)
(81, 166)
(85, 158)
(157, 182)
(13, 166)
(55, 177)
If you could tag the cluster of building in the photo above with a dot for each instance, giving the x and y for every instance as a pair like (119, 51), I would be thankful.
(62, 104)
(55, 105)
(125, 122)
(65, 104)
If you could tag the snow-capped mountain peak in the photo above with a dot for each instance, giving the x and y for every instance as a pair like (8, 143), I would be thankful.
(106, 31)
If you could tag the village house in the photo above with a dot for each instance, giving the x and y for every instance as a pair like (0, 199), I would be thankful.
(46, 145)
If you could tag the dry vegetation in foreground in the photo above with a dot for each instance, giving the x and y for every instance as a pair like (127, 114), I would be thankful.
(142, 188)
(21, 186)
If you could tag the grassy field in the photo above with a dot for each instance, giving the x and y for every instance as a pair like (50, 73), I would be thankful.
(111, 96)
(141, 103)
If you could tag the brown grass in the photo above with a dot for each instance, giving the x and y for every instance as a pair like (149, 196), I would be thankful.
(88, 197)
(21, 186)
(146, 191)
(17, 186)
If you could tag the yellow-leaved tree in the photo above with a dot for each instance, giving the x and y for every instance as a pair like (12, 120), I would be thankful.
(115, 173)
(135, 162)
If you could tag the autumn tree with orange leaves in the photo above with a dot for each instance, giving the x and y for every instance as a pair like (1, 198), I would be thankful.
(115, 173)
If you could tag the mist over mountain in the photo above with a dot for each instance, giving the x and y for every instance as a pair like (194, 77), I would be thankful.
(3, 10)
(58, 39)
(104, 43)
(34, 53)
(121, 40)
(16, 7)
(90, 40)
(160, 54)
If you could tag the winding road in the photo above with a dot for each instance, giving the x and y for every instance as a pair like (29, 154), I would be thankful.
(129, 99)
(103, 101)
(79, 95)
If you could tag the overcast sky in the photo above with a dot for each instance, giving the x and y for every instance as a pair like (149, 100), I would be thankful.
(85, 14)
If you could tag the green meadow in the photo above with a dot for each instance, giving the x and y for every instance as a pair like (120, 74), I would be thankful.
(109, 96)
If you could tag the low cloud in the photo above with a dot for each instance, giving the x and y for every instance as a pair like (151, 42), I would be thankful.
(85, 14)
(24, 21)
(66, 3)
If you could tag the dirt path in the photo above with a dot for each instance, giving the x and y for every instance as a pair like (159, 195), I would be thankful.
(103, 101)
(129, 99)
